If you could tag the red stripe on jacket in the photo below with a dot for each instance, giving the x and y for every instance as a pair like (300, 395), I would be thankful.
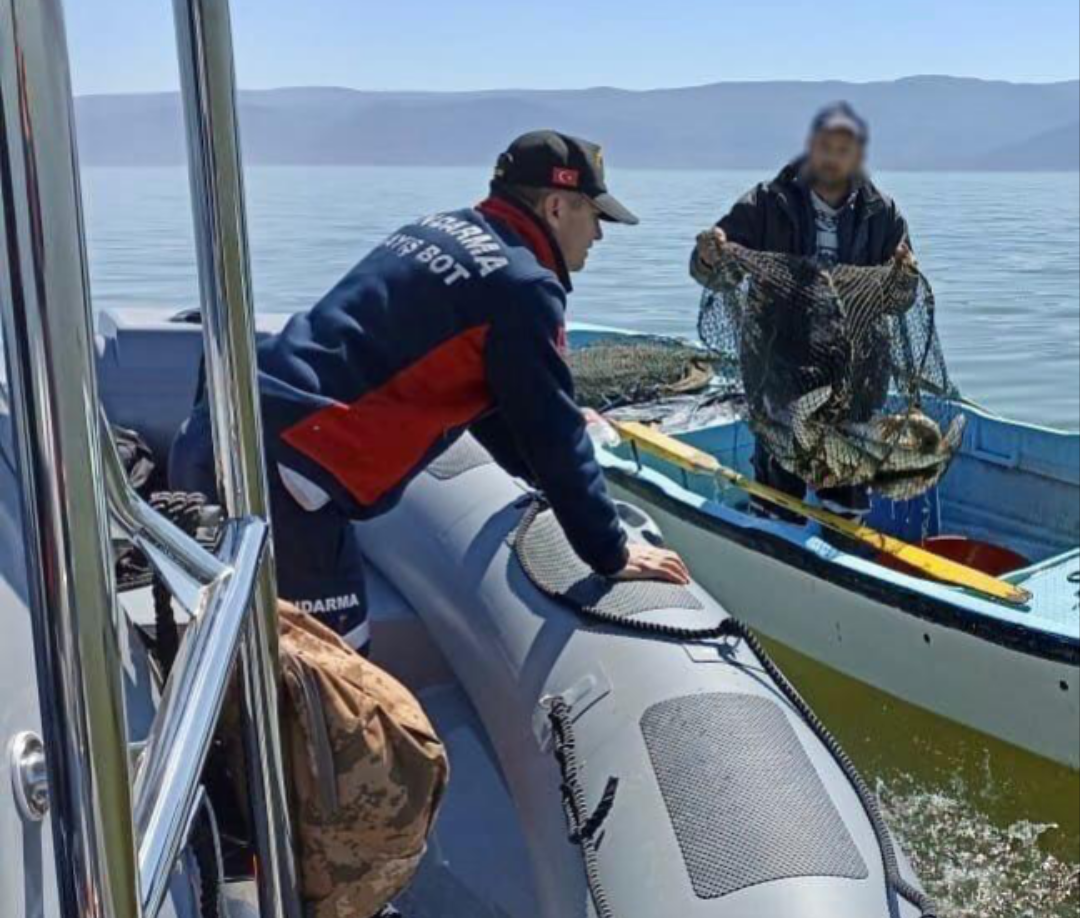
(373, 444)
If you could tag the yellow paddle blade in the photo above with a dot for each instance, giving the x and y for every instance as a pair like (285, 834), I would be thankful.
(652, 441)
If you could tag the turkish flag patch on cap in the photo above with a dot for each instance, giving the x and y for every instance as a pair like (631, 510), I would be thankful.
(566, 178)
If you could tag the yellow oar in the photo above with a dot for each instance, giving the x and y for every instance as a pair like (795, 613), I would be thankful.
(658, 444)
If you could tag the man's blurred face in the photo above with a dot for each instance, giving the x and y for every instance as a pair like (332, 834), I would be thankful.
(836, 156)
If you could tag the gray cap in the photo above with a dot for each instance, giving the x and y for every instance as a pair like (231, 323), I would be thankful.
(840, 116)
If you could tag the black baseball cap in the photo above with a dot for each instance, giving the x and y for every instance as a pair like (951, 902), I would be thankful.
(548, 159)
(840, 116)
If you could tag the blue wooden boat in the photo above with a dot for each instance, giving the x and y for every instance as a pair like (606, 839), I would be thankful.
(1006, 670)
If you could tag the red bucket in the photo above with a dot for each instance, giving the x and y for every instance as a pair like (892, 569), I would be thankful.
(982, 556)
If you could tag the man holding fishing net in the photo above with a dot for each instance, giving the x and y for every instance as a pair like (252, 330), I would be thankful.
(800, 370)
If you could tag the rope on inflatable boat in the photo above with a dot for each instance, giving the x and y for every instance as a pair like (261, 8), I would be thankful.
(536, 506)
(583, 828)
(895, 883)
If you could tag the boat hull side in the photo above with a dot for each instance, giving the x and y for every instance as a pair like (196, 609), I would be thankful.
(1027, 700)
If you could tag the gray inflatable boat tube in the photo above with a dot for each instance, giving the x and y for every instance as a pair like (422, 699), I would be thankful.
(656, 776)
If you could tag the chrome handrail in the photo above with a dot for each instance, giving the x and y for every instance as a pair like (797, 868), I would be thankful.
(49, 342)
(168, 781)
(219, 593)
(115, 858)
(208, 88)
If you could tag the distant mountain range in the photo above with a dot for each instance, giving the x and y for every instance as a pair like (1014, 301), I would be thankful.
(939, 123)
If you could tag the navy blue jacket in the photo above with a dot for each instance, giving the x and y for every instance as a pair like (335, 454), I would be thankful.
(454, 322)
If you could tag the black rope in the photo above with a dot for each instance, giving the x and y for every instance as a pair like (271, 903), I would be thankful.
(895, 882)
(186, 511)
(204, 849)
(584, 828)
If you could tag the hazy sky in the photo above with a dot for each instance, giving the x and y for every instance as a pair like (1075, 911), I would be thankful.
(127, 45)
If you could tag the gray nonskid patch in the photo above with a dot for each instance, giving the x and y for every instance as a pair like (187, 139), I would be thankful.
(464, 456)
(744, 799)
(554, 567)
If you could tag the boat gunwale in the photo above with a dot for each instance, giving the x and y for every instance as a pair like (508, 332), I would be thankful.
(1010, 634)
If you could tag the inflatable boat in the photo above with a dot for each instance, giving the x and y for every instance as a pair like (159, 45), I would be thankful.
(694, 780)
(1009, 503)
(618, 750)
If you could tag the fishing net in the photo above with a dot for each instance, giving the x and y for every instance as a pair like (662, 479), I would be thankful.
(619, 371)
(841, 369)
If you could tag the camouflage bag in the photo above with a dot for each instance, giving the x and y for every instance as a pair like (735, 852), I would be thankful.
(367, 772)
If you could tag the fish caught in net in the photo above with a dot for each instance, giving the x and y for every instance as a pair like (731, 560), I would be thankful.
(615, 372)
(841, 368)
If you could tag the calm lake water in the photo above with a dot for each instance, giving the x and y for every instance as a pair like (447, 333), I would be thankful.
(994, 832)
(1003, 252)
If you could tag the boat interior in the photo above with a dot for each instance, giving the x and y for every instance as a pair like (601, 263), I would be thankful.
(1013, 487)
(477, 865)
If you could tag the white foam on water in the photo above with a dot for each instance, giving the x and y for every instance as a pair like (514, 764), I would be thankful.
(972, 867)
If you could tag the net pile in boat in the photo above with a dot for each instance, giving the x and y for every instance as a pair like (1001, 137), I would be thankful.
(619, 371)
(841, 369)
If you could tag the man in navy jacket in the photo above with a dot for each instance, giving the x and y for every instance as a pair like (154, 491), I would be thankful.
(454, 323)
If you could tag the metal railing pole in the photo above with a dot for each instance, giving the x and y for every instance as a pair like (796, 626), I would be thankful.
(167, 786)
(49, 342)
(208, 85)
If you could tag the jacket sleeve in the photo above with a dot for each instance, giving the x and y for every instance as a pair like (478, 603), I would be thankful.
(534, 394)
(898, 232)
(743, 225)
(496, 437)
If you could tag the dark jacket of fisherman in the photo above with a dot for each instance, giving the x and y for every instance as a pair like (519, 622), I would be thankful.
(778, 216)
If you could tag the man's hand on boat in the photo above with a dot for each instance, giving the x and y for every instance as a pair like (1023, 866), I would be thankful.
(710, 243)
(649, 563)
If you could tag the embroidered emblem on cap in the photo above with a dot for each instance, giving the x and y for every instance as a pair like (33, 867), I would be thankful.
(566, 178)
